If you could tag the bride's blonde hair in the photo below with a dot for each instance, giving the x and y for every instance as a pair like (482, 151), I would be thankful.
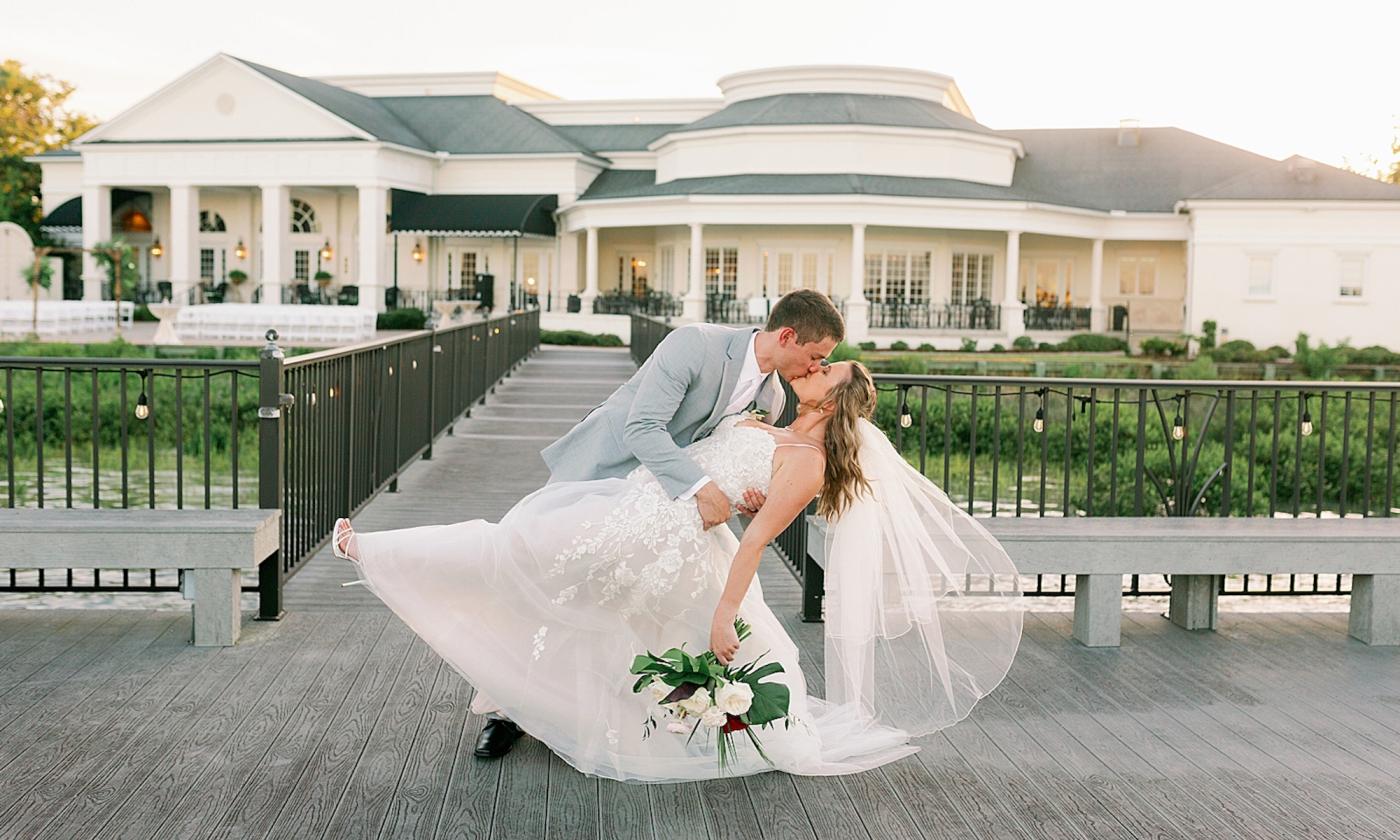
(843, 479)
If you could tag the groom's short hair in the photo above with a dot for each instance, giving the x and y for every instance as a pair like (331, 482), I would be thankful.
(811, 315)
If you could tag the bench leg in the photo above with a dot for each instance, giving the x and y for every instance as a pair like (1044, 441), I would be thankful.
(218, 611)
(1098, 609)
(1375, 609)
(1194, 601)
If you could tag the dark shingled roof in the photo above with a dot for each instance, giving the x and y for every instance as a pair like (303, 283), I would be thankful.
(629, 137)
(837, 109)
(495, 215)
(624, 183)
(477, 125)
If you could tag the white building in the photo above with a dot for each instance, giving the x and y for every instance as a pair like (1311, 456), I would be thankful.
(875, 185)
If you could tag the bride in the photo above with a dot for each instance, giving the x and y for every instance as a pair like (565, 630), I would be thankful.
(544, 612)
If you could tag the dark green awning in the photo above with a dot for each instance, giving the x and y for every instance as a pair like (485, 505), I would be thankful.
(472, 215)
(69, 214)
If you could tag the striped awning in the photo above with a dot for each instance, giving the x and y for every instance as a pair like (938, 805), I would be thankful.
(472, 215)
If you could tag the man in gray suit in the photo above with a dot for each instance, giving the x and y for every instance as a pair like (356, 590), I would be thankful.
(698, 375)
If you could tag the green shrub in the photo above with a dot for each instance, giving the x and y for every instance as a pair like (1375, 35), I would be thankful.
(1319, 362)
(401, 319)
(579, 338)
(1094, 343)
(969, 345)
(1373, 355)
(927, 348)
(1163, 347)
(1201, 367)
(998, 348)
(143, 313)
(899, 345)
(904, 364)
(1045, 347)
(843, 353)
(1208, 329)
(866, 345)
(1023, 342)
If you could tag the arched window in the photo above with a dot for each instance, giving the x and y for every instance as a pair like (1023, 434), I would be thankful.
(211, 222)
(304, 217)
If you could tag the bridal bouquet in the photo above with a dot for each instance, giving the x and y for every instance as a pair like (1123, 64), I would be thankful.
(696, 693)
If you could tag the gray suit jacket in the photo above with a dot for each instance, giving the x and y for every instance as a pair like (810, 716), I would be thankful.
(676, 398)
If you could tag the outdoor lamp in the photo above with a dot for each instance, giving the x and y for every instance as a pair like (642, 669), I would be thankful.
(1039, 423)
(1306, 425)
(143, 406)
(156, 249)
(1178, 428)
(240, 250)
(905, 418)
(417, 252)
(326, 252)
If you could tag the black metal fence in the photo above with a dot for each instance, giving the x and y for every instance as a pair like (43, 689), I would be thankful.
(1026, 446)
(1056, 317)
(977, 315)
(317, 435)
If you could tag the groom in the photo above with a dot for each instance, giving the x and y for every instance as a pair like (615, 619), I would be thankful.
(698, 375)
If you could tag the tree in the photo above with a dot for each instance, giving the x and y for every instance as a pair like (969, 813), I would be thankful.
(38, 276)
(34, 118)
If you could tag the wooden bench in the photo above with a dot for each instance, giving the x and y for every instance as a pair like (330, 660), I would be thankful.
(1197, 552)
(211, 548)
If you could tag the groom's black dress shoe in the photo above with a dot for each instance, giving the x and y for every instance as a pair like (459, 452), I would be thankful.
(497, 737)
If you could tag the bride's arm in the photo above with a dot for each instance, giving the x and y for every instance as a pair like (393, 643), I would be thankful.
(796, 481)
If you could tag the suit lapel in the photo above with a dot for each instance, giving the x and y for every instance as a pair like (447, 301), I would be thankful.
(733, 364)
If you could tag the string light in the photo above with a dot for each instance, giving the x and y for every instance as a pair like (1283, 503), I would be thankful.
(1178, 424)
(1039, 423)
(1306, 425)
(2, 406)
(906, 419)
(143, 406)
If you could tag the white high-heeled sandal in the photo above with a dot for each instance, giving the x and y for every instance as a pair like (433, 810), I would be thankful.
(342, 525)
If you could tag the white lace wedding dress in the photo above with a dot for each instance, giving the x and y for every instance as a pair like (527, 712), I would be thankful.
(544, 612)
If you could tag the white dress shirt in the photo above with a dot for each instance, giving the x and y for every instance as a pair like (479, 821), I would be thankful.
(745, 388)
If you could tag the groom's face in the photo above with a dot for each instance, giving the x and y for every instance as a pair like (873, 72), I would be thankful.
(795, 359)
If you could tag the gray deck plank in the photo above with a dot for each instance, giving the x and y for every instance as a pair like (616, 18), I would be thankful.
(417, 801)
(256, 804)
(523, 797)
(679, 811)
(224, 773)
(306, 811)
(67, 637)
(573, 807)
(122, 753)
(469, 805)
(782, 815)
(624, 812)
(16, 637)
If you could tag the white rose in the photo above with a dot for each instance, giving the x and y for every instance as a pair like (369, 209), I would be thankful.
(697, 703)
(677, 728)
(659, 690)
(734, 698)
(714, 717)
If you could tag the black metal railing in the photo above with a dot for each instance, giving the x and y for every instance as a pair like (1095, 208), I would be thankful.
(1056, 318)
(1025, 446)
(723, 309)
(977, 315)
(316, 435)
(654, 303)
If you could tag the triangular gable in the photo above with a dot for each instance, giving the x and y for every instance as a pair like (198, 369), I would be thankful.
(224, 99)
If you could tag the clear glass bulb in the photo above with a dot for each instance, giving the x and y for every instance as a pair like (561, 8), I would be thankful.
(1178, 429)
(143, 410)
(906, 420)
(2, 406)
(1306, 427)
(1039, 424)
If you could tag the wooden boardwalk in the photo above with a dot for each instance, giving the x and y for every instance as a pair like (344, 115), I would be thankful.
(337, 722)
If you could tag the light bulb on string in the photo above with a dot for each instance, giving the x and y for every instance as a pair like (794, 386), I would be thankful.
(906, 419)
(143, 406)
(1306, 426)
(1178, 428)
(1039, 423)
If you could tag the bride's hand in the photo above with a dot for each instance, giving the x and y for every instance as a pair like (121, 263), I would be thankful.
(723, 640)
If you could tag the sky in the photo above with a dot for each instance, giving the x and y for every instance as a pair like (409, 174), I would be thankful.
(1320, 82)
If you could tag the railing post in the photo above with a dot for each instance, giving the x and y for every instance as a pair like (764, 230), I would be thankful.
(432, 396)
(271, 448)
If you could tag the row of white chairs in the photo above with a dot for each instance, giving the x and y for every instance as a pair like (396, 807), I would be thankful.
(251, 321)
(63, 317)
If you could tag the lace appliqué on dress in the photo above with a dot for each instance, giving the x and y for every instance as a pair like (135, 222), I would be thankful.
(650, 544)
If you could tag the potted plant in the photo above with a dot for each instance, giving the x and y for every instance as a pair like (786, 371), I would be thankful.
(324, 278)
(236, 277)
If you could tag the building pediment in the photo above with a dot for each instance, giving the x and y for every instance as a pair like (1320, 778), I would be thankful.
(223, 99)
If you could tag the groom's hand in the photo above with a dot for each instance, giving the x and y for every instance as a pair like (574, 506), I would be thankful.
(753, 500)
(714, 505)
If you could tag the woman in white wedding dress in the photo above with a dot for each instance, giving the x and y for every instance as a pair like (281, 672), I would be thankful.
(544, 612)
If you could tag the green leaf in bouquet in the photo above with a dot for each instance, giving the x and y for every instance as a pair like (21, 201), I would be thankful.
(766, 671)
(770, 702)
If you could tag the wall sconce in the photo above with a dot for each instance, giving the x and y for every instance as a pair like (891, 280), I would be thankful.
(240, 250)
(326, 252)
(156, 249)
(530, 281)
(417, 252)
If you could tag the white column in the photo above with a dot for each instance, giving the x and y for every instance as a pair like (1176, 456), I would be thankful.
(590, 271)
(374, 205)
(857, 305)
(1098, 315)
(693, 307)
(183, 250)
(1012, 310)
(276, 201)
(97, 227)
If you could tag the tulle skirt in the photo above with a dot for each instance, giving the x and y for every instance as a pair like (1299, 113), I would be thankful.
(546, 632)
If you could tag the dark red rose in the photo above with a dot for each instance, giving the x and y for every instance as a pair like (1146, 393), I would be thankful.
(733, 724)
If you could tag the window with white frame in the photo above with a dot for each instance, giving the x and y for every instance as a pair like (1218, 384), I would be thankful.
(971, 278)
(304, 217)
(785, 259)
(1261, 275)
(211, 222)
(633, 274)
(1137, 275)
(301, 265)
(898, 276)
(206, 263)
(1352, 276)
(666, 268)
(722, 271)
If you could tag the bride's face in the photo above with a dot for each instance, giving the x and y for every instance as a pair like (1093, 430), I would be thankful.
(812, 390)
